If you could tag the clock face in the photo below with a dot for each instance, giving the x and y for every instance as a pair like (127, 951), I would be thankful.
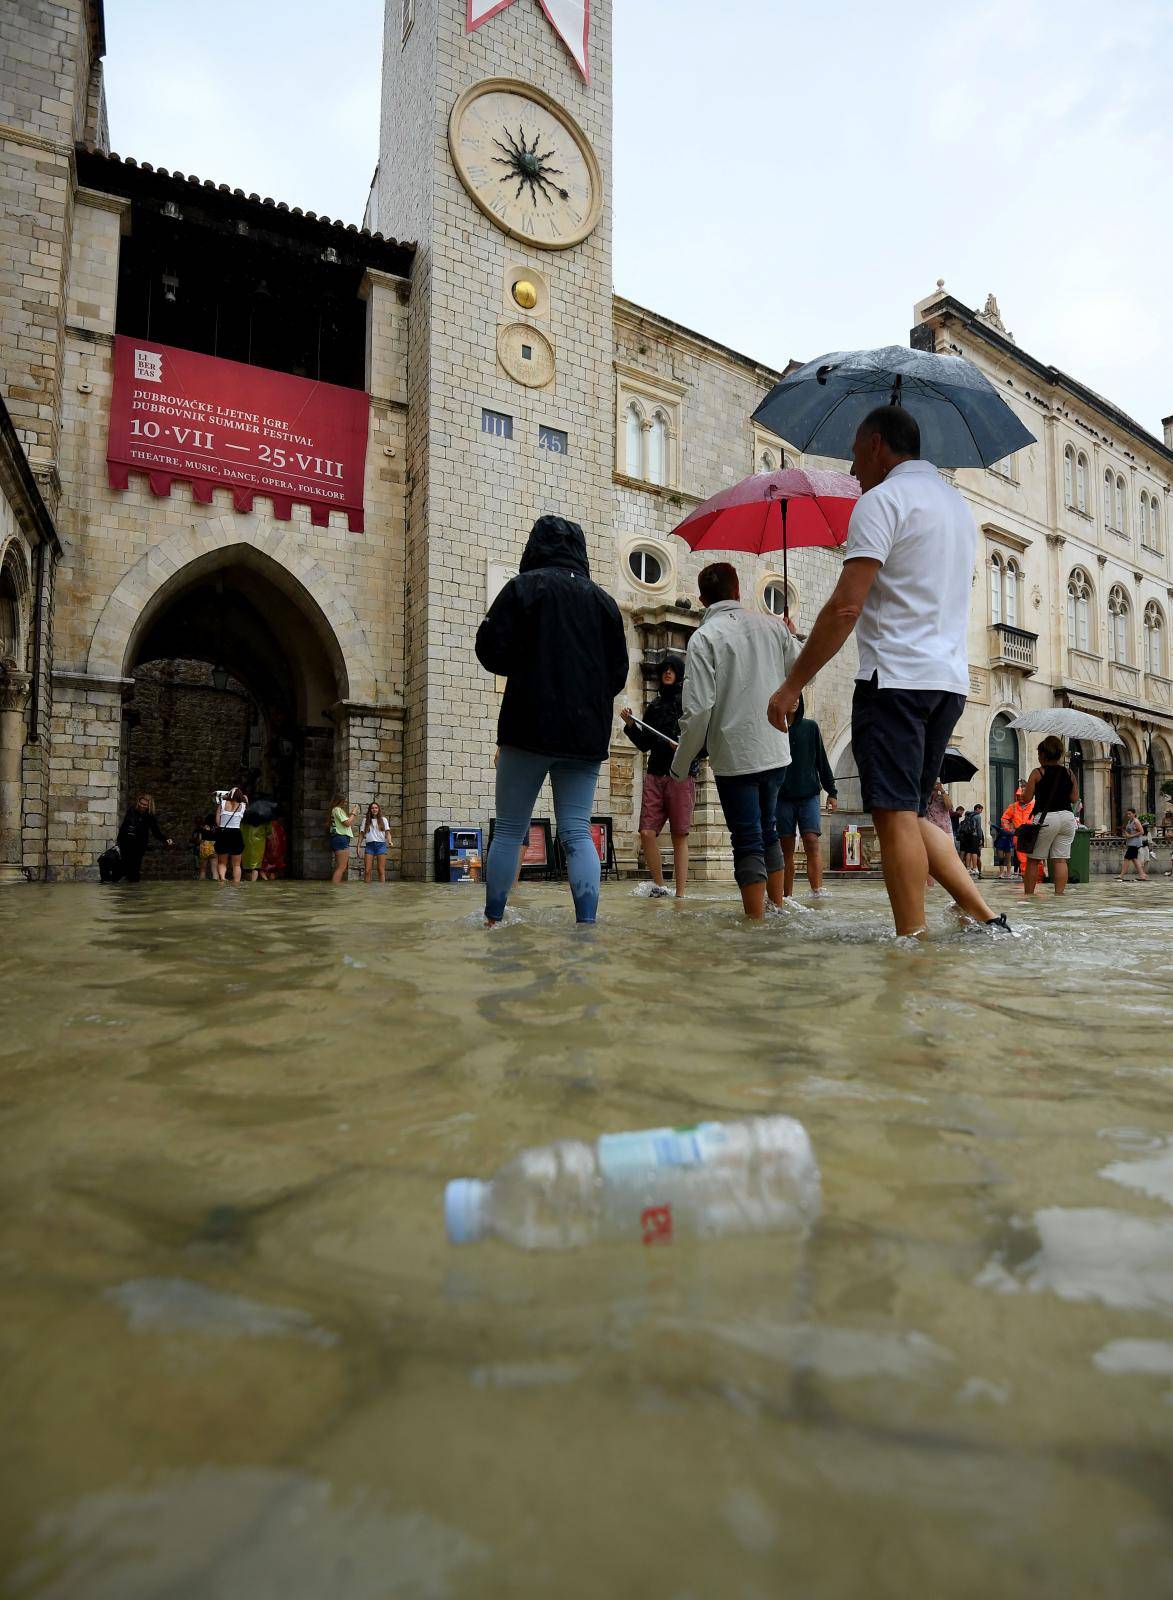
(526, 163)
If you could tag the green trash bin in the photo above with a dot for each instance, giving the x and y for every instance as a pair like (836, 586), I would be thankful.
(1081, 856)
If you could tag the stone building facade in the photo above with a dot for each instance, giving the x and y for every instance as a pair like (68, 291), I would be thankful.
(1073, 594)
(147, 635)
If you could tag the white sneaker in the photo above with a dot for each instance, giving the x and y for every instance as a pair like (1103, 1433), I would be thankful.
(820, 894)
(792, 904)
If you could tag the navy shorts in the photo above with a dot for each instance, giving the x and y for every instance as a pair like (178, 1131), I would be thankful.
(340, 841)
(898, 738)
(799, 816)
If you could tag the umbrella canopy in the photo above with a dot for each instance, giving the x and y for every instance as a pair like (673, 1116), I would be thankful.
(787, 510)
(261, 811)
(956, 768)
(1067, 724)
(964, 422)
(791, 509)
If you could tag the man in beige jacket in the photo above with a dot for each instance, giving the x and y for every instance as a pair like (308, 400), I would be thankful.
(734, 659)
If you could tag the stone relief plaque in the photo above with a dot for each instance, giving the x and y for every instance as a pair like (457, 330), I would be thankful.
(526, 355)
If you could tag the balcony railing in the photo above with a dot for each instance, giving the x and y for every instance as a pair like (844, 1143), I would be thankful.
(1013, 647)
(1126, 680)
(1158, 691)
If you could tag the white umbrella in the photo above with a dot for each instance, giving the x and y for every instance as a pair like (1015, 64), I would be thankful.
(1067, 724)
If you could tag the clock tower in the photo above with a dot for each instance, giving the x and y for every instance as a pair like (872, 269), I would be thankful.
(495, 157)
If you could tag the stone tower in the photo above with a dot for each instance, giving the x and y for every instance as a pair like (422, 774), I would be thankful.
(480, 352)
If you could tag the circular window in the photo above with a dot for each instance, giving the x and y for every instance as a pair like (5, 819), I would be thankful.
(645, 567)
(774, 599)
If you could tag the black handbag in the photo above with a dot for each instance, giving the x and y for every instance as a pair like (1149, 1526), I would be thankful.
(110, 868)
(1026, 835)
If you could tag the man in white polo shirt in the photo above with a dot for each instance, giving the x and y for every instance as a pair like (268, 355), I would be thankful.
(904, 589)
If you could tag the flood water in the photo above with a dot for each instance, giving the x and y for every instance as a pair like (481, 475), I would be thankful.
(238, 1360)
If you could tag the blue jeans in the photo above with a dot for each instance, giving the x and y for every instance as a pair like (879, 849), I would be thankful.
(750, 804)
(799, 816)
(520, 775)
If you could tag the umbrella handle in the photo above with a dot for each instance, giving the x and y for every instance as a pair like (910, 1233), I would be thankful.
(785, 572)
(897, 385)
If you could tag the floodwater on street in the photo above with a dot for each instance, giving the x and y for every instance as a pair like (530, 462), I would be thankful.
(238, 1360)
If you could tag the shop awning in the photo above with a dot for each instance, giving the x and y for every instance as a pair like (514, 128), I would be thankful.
(1101, 706)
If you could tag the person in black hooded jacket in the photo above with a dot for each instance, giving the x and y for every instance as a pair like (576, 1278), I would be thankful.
(558, 640)
(665, 799)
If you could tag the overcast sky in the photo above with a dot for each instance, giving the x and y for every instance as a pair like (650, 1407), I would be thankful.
(788, 178)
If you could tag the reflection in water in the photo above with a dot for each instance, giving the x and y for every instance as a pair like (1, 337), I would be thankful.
(238, 1358)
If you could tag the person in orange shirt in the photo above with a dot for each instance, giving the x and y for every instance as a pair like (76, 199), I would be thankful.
(1015, 814)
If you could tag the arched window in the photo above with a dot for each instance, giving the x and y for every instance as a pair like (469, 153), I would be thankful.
(1155, 523)
(1079, 610)
(9, 620)
(634, 435)
(658, 449)
(1069, 476)
(645, 566)
(1011, 593)
(1120, 525)
(774, 599)
(995, 589)
(1154, 640)
(1118, 618)
(1081, 472)
(1109, 500)
(1144, 517)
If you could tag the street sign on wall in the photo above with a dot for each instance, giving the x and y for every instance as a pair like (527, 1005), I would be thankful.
(224, 424)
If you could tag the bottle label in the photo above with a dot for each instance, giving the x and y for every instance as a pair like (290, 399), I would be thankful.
(627, 1155)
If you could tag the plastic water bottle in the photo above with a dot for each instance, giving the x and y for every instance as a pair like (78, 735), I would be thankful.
(705, 1181)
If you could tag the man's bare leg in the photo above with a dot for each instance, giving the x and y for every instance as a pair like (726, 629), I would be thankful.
(905, 862)
(814, 859)
(680, 863)
(1059, 875)
(788, 866)
(753, 900)
(651, 849)
(946, 867)
(1030, 878)
(776, 886)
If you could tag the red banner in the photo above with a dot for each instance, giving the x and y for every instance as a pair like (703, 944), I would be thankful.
(213, 423)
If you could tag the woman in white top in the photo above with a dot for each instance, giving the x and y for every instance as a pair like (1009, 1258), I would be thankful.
(230, 808)
(376, 836)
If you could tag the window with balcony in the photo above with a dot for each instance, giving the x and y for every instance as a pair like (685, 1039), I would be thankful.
(1119, 615)
(1079, 611)
(1154, 640)
(1005, 591)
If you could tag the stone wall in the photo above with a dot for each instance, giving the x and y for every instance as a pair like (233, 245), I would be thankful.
(184, 739)
(127, 552)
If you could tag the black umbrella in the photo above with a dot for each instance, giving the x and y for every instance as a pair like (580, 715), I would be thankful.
(964, 421)
(956, 768)
(261, 811)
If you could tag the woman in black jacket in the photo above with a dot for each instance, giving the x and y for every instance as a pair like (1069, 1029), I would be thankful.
(134, 836)
(558, 640)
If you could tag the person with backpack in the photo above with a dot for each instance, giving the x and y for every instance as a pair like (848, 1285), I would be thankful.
(665, 799)
(971, 839)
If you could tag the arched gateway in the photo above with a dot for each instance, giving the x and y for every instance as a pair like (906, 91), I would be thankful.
(237, 655)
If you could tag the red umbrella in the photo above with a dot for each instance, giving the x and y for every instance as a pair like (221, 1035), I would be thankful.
(796, 508)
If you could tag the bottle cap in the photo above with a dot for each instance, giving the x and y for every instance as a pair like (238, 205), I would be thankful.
(464, 1200)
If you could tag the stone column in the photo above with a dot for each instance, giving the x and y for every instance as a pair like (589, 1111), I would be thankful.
(1097, 797)
(14, 693)
(1136, 780)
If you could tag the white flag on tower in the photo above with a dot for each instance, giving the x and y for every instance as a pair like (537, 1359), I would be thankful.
(571, 20)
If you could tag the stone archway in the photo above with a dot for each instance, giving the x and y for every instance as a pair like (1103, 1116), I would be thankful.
(237, 654)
